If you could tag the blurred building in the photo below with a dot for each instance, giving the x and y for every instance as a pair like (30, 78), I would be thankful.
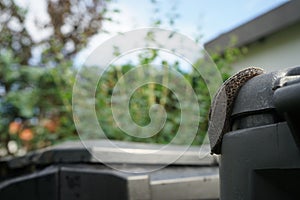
(272, 39)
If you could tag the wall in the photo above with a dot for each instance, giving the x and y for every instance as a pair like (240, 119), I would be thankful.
(277, 51)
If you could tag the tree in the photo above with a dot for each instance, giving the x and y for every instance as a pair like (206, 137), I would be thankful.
(36, 95)
(36, 89)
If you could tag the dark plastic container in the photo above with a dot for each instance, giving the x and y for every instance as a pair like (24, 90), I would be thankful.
(69, 172)
(260, 157)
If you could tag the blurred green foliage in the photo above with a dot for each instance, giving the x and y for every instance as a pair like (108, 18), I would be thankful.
(37, 73)
(147, 95)
(36, 99)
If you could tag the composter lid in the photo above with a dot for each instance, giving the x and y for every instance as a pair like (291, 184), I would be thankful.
(256, 95)
(254, 105)
(76, 152)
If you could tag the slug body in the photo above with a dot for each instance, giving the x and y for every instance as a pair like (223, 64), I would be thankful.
(222, 105)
